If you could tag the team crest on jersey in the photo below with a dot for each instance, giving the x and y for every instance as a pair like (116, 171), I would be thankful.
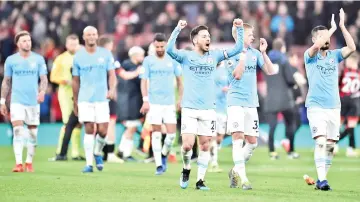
(230, 63)
(253, 58)
(332, 61)
(101, 60)
(210, 61)
(314, 130)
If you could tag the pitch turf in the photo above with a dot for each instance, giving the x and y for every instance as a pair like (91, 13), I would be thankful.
(272, 181)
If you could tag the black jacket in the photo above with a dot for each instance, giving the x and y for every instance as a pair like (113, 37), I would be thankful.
(129, 98)
(279, 86)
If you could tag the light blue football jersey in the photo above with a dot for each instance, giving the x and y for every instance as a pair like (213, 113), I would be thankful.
(199, 71)
(92, 68)
(323, 75)
(243, 92)
(161, 74)
(25, 73)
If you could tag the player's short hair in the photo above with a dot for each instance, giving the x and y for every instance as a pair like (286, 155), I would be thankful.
(159, 37)
(246, 26)
(135, 50)
(103, 40)
(72, 37)
(278, 43)
(318, 28)
(20, 34)
(196, 31)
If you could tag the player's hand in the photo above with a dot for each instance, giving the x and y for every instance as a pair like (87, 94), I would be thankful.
(225, 89)
(140, 70)
(41, 97)
(76, 109)
(178, 105)
(342, 18)
(182, 24)
(4, 110)
(263, 45)
(145, 108)
(333, 23)
(66, 82)
(238, 22)
(111, 94)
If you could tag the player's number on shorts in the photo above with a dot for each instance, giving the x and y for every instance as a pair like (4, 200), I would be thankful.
(256, 125)
(350, 85)
(213, 125)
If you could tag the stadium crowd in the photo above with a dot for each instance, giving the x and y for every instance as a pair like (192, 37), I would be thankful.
(134, 23)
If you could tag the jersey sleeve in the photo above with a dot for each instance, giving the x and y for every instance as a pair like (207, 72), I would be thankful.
(171, 50)
(145, 73)
(56, 74)
(239, 46)
(260, 59)
(75, 67)
(110, 61)
(8, 68)
(338, 55)
(307, 58)
(177, 68)
(42, 66)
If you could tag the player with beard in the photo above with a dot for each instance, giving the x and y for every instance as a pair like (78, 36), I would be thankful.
(22, 71)
(323, 100)
(198, 116)
(158, 94)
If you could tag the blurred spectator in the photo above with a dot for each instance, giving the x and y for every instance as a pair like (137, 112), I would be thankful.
(282, 18)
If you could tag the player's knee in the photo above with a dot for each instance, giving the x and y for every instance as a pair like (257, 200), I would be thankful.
(251, 140)
(89, 128)
(237, 135)
(320, 142)
(18, 131)
(205, 146)
(187, 147)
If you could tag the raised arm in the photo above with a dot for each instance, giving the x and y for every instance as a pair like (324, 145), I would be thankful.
(239, 45)
(170, 48)
(268, 66)
(322, 39)
(350, 44)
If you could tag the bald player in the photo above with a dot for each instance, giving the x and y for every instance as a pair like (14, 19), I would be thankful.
(94, 83)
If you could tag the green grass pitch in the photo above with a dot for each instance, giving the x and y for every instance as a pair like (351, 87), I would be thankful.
(279, 180)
